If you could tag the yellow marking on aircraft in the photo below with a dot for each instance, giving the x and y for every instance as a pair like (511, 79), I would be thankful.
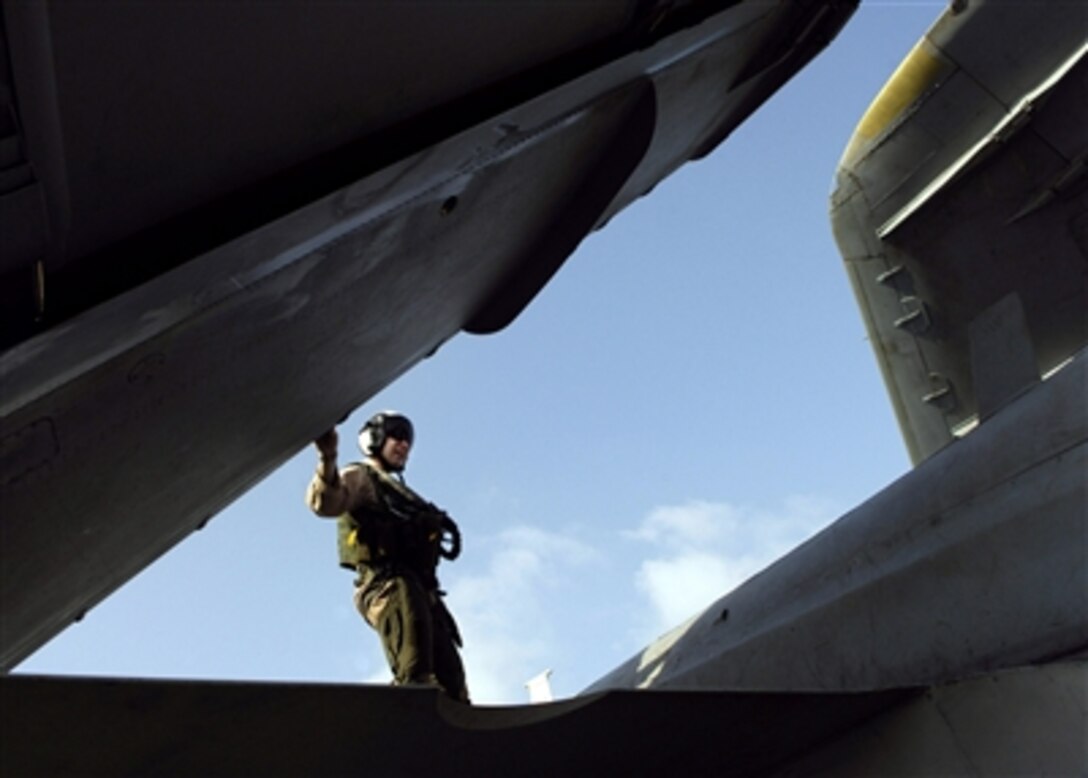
(922, 69)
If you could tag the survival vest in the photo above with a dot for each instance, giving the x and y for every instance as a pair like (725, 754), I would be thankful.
(400, 527)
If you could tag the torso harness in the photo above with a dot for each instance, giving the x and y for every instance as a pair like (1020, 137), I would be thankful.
(404, 529)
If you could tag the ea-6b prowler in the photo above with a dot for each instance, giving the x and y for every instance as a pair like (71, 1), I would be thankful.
(167, 261)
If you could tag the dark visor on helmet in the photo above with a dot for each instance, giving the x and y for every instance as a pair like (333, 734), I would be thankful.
(399, 429)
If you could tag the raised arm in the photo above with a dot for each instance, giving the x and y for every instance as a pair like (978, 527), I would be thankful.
(332, 492)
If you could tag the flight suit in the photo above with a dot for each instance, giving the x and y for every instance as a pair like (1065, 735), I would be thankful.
(390, 536)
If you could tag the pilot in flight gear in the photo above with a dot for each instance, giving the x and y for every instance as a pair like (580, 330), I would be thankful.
(393, 539)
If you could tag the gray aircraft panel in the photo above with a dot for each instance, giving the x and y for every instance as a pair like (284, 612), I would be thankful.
(146, 110)
(1028, 721)
(1024, 721)
(137, 727)
(964, 185)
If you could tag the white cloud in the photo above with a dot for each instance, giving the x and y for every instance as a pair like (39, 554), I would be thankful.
(505, 613)
(679, 586)
(704, 550)
(696, 522)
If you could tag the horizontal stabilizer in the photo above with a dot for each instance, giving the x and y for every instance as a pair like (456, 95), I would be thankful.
(142, 727)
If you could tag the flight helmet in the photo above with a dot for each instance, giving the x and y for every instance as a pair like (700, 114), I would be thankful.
(380, 427)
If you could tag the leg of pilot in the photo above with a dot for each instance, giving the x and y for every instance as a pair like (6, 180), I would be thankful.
(447, 660)
(398, 610)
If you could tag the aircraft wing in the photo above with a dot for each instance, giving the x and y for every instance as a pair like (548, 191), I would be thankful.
(135, 727)
(228, 225)
(993, 724)
(962, 214)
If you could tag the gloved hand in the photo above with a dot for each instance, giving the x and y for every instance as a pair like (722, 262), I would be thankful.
(326, 444)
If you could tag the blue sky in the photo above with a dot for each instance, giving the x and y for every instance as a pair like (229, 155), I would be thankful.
(690, 397)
